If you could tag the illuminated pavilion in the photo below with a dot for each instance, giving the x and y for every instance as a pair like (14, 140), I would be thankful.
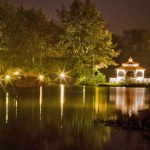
(130, 71)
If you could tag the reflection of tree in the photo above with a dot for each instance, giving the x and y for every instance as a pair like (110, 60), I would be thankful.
(78, 132)
(82, 128)
(102, 107)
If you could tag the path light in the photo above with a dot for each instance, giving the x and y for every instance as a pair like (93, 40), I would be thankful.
(41, 77)
(62, 75)
(7, 77)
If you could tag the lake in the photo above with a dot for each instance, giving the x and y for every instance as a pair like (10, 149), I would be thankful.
(62, 118)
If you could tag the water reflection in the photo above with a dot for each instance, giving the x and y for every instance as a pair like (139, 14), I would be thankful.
(103, 108)
(129, 100)
(97, 99)
(83, 95)
(40, 101)
(16, 106)
(66, 116)
(62, 102)
(7, 105)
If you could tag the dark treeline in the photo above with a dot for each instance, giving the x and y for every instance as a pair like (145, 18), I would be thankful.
(136, 44)
(78, 41)
(133, 43)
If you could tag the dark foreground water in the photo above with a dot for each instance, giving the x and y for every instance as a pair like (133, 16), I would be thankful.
(62, 118)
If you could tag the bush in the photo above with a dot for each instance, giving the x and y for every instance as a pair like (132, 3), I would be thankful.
(92, 79)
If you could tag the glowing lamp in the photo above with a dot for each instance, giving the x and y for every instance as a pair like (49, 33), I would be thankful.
(7, 77)
(62, 75)
(16, 73)
(41, 77)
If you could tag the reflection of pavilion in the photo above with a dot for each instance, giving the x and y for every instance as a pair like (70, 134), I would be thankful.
(129, 100)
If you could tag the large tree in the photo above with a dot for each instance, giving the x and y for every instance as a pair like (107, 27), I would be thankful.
(85, 39)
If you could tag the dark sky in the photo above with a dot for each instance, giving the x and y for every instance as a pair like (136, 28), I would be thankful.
(120, 14)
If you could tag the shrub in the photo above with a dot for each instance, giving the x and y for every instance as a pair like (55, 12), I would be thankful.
(91, 78)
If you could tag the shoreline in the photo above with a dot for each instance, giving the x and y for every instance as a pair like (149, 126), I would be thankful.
(124, 85)
(30, 85)
(140, 122)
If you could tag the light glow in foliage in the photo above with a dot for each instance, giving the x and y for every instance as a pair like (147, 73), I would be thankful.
(7, 77)
(62, 75)
(16, 73)
(41, 77)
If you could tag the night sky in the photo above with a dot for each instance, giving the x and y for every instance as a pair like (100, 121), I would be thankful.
(120, 14)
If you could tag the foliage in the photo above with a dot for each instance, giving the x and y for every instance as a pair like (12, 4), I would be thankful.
(85, 38)
(28, 36)
(78, 41)
(92, 78)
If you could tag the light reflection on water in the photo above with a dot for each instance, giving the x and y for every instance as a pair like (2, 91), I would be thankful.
(129, 100)
(40, 100)
(62, 92)
(16, 106)
(83, 95)
(61, 117)
(7, 105)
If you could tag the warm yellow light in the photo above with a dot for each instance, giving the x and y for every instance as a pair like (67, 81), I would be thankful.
(16, 73)
(130, 59)
(41, 77)
(62, 75)
(7, 77)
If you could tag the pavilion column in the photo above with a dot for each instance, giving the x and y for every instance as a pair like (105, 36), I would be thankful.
(117, 73)
(143, 73)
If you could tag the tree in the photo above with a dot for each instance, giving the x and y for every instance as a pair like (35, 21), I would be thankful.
(25, 37)
(85, 38)
(6, 18)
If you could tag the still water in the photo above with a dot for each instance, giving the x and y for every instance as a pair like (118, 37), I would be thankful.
(62, 118)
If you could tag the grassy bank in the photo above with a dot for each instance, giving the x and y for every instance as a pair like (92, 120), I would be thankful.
(125, 85)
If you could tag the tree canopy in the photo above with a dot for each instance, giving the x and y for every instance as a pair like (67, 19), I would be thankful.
(78, 39)
(27, 35)
(85, 36)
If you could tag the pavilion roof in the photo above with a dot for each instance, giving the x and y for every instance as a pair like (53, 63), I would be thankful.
(131, 68)
(130, 65)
